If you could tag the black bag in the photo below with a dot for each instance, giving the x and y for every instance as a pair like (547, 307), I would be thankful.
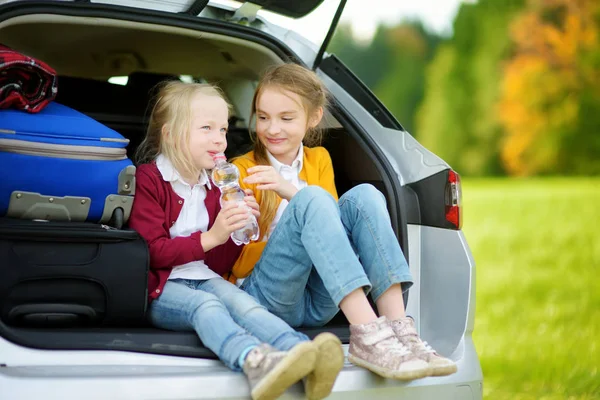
(71, 273)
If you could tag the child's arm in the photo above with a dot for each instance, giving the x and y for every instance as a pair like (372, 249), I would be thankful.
(222, 257)
(148, 218)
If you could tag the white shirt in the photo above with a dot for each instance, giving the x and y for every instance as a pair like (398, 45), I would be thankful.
(291, 174)
(192, 218)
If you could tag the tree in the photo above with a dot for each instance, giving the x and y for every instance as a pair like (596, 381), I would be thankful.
(392, 64)
(403, 86)
(369, 61)
(550, 100)
(457, 119)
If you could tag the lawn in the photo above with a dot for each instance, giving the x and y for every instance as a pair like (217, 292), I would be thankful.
(536, 244)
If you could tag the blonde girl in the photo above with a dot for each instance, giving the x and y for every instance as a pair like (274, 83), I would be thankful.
(177, 211)
(318, 254)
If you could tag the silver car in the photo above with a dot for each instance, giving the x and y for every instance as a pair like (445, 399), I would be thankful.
(109, 54)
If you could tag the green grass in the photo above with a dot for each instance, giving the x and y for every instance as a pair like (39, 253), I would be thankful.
(536, 244)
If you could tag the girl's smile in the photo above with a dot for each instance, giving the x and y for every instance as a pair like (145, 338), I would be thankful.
(276, 141)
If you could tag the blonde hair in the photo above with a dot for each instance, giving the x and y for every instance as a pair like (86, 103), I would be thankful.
(313, 94)
(172, 112)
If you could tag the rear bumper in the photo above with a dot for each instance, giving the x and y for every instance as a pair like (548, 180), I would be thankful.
(201, 379)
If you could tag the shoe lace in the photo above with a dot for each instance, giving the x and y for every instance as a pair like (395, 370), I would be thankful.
(427, 347)
(393, 345)
(413, 340)
(422, 345)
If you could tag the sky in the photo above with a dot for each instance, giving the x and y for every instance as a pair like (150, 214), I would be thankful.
(437, 15)
(365, 15)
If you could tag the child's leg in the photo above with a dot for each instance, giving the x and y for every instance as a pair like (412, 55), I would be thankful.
(364, 215)
(366, 220)
(309, 232)
(246, 311)
(183, 308)
(252, 316)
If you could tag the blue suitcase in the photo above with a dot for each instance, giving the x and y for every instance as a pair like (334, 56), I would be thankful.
(61, 165)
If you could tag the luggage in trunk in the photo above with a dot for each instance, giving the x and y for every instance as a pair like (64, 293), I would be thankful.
(61, 165)
(69, 273)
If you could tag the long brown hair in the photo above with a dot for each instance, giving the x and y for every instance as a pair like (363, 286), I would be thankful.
(172, 112)
(307, 85)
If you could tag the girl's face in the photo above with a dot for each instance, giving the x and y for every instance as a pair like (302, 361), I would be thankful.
(208, 129)
(281, 123)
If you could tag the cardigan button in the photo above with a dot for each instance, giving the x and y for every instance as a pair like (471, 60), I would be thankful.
(157, 290)
(172, 222)
(180, 202)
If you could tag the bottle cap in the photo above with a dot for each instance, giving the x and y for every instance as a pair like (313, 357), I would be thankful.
(219, 156)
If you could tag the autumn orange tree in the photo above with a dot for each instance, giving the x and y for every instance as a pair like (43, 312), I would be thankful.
(550, 95)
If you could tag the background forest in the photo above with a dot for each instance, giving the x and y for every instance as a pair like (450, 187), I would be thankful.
(511, 100)
(514, 91)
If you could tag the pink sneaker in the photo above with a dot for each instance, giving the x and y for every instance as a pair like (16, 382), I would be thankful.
(407, 334)
(375, 347)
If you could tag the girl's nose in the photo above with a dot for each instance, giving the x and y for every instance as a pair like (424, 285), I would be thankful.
(273, 128)
(219, 139)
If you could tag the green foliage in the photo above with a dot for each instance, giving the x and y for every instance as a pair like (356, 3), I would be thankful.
(515, 90)
(550, 102)
(392, 65)
(457, 119)
(402, 87)
(369, 61)
(537, 318)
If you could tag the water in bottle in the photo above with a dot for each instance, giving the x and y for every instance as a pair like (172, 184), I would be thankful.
(226, 177)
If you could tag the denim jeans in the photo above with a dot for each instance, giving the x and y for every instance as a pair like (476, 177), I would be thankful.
(321, 251)
(227, 320)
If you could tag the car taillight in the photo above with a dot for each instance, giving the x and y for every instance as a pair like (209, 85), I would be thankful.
(454, 200)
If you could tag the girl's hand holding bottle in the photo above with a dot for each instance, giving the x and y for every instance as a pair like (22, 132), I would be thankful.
(226, 177)
(231, 218)
(267, 178)
(252, 203)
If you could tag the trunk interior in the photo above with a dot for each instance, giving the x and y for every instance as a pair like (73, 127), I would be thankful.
(103, 52)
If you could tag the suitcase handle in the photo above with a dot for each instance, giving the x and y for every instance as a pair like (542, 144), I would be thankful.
(51, 314)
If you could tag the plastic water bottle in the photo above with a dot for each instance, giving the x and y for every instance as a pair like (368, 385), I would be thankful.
(226, 177)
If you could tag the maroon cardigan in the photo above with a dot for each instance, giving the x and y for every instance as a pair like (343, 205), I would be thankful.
(155, 209)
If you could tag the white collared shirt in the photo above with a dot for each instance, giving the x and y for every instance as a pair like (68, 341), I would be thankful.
(290, 173)
(192, 218)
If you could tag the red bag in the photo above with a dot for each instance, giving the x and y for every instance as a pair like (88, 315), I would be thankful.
(25, 83)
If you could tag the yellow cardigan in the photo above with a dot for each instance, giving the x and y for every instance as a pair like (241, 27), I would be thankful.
(317, 169)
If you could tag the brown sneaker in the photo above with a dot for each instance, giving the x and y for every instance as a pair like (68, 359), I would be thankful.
(330, 361)
(375, 347)
(407, 334)
(270, 372)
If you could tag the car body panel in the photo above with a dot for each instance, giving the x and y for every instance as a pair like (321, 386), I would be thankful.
(120, 375)
(441, 301)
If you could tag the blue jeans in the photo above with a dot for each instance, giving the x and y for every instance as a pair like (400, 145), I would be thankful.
(321, 251)
(227, 320)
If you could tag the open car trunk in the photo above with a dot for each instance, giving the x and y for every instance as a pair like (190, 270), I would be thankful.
(87, 52)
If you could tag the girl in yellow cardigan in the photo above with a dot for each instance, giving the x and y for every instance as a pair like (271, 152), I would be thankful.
(318, 255)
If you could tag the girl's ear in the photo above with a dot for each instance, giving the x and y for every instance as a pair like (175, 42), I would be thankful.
(316, 118)
(164, 131)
